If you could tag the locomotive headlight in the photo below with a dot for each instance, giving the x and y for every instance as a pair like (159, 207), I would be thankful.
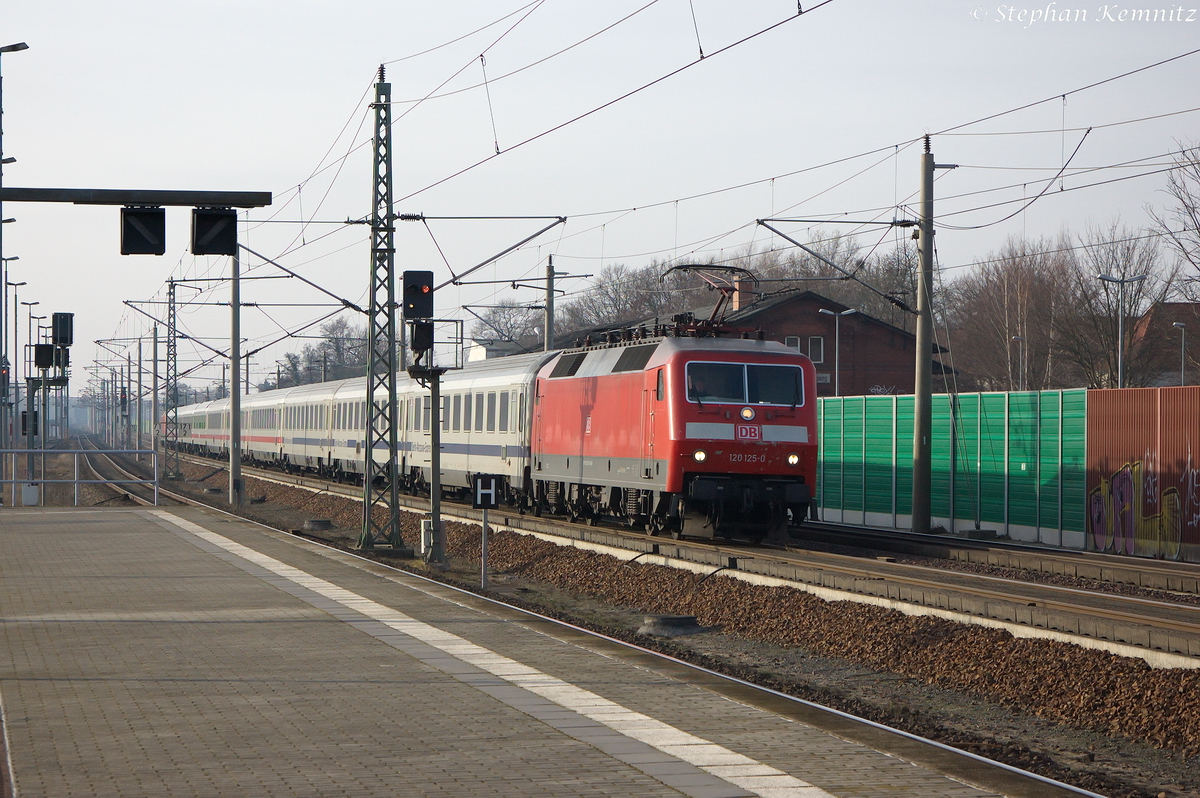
(700, 455)
(793, 459)
(748, 413)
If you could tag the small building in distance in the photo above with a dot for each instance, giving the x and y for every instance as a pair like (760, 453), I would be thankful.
(1167, 337)
(876, 357)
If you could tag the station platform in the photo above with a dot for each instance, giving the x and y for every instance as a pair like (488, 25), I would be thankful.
(181, 652)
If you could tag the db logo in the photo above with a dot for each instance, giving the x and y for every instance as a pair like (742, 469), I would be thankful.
(748, 432)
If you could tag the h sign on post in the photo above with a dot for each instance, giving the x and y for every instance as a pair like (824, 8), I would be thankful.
(485, 491)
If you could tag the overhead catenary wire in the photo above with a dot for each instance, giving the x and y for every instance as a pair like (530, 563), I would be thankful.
(1054, 131)
(893, 147)
(614, 101)
(1035, 198)
(464, 36)
(528, 66)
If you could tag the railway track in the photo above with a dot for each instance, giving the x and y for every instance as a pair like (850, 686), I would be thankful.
(1165, 633)
(1161, 575)
(962, 764)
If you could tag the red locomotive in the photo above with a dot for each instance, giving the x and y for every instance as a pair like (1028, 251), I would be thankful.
(696, 436)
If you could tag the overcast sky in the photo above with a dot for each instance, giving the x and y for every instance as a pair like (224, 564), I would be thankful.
(819, 116)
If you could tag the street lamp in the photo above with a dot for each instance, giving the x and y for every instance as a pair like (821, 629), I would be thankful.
(16, 353)
(837, 346)
(29, 335)
(1020, 339)
(1182, 349)
(4, 420)
(1121, 281)
(30, 407)
(8, 378)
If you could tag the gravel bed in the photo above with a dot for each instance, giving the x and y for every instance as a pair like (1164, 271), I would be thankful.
(1106, 723)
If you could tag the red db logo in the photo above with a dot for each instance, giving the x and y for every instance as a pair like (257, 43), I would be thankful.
(748, 432)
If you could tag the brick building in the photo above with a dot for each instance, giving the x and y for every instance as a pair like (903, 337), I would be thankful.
(876, 357)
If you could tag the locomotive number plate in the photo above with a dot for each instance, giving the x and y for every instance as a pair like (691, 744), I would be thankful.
(748, 432)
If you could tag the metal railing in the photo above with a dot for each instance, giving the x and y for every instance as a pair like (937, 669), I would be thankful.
(31, 486)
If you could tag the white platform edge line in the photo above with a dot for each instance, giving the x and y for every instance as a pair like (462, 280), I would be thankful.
(783, 785)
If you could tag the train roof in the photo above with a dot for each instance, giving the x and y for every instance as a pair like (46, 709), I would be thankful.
(638, 355)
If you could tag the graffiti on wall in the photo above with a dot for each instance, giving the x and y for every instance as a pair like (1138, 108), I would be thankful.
(1131, 513)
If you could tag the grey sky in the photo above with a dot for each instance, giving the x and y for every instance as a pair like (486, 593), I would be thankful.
(261, 95)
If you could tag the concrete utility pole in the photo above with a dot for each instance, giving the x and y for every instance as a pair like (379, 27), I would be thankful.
(154, 429)
(438, 555)
(923, 384)
(128, 409)
(549, 303)
(140, 442)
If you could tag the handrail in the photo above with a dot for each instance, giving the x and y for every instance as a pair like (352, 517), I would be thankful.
(76, 481)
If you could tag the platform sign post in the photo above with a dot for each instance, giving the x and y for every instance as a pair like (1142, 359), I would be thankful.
(485, 495)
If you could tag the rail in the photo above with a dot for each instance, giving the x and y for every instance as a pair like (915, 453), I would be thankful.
(32, 496)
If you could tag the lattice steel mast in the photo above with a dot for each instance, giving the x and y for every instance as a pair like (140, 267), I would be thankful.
(381, 419)
(171, 431)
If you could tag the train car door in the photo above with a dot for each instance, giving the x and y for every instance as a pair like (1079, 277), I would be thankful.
(647, 435)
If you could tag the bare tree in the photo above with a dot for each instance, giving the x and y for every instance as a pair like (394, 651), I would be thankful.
(1103, 310)
(624, 294)
(1180, 225)
(509, 321)
(340, 353)
(1037, 314)
(1001, 317)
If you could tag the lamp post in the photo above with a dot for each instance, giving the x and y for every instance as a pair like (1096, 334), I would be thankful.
(1182, 350)
(30, 407)
(1121, 281)
(4, 426)
(1020, 339)
(14, 407)
(8, 377)
(29, 336)
(15, 351)
(837, 346)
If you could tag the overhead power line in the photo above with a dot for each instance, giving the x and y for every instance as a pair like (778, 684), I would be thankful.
(611, 102)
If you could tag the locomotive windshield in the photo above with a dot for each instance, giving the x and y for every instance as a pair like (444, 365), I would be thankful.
(737, 383)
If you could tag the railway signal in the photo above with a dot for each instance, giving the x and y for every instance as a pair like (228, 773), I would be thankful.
(422, 336)
(62, 327)
(418, 295)
(214, 231)
(143, 231)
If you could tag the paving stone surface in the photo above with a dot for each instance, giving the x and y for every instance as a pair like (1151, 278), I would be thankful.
(148, 652)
